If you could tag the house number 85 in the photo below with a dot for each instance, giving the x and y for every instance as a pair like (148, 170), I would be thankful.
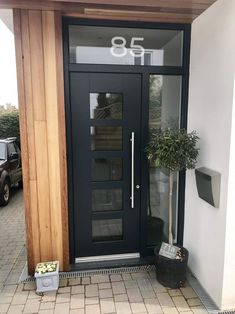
(119, 49)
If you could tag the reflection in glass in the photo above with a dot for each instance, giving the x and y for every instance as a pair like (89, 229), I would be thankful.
(164, 112)
(158, 205)
(107, 230)
(105, 106)
(164, 101)
(103, 200)
(112, 45)
(105, 169)
(106, 138)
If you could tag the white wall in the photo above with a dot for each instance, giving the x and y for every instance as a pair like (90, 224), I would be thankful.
(207, 229)
(228, 298)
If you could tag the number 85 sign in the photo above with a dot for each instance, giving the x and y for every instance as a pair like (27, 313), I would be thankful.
(119, 49)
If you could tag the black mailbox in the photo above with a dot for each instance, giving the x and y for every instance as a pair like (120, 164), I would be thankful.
(208, 185)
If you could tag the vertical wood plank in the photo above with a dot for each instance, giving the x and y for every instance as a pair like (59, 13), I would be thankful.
(43, 188)
(35, 23)
(30, 135)
(35, 221)
(23, 135)
(28, 93)
(48, 26)
(62, 137)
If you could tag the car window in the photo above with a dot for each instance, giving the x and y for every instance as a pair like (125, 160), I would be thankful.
(17, 147)
(2, 151)
(11, 148)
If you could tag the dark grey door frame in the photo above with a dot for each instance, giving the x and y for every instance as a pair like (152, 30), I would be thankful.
(145, 71)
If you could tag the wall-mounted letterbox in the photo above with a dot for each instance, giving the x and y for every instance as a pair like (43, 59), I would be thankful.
(208, 185)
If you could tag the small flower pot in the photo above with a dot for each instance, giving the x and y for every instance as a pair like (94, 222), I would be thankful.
(172, 272)
(47, 281)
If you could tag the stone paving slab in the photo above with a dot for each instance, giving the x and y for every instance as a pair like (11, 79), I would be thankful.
(125, 293)
(106, 294)
(12, 239)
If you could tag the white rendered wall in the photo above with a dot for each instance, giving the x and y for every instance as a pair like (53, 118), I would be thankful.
(228, 298)
(208, 229)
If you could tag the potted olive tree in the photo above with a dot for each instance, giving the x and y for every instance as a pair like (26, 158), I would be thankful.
(174, 150)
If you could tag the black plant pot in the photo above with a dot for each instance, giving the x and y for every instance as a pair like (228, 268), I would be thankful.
(172, 272)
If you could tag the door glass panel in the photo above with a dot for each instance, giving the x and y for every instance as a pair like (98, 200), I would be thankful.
(106, 169)
(127, 46)
(164, 101)
(107, 230)
(110, 199)
(106, 138)
(164, 112)
(105, 106)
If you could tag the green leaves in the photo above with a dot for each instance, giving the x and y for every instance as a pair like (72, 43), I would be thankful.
(173, 149)
(9, 124)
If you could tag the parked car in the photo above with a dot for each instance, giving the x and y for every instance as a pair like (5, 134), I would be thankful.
(10, 168)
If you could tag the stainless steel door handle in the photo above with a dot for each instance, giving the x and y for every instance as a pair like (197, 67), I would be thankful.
(132, 197)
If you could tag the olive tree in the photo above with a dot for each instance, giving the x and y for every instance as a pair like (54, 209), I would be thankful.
(175, 150)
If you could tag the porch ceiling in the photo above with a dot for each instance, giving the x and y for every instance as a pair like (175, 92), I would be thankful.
(173, 11)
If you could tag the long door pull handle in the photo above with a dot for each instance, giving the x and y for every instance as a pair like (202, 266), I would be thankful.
(132, 197)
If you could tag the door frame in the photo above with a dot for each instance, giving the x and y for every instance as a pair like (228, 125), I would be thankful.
(183, 71)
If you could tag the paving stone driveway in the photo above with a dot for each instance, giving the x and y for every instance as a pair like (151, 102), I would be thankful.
(12, 239)
(124, 293)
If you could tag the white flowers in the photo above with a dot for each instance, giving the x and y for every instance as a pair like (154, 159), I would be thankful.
(48, 267)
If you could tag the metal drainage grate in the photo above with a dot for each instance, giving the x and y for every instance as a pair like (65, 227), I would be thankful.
(202, 294)
(227, 312)
(87, 273)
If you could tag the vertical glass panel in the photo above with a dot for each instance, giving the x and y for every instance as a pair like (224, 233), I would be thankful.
(103, 200)
(164, 101)
(107, 230)
(106, 138)
(127, 46)
(164, 112)
(105, 106)
(105, 169)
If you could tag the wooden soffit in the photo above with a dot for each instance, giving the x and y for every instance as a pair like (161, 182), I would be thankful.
(171, 11)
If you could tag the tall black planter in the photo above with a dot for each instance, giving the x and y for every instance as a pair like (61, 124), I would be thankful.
(172, 272)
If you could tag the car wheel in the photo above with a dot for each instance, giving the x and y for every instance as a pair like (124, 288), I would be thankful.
(5, 193)
(20, 184)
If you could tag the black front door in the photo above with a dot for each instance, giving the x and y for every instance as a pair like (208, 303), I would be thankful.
(105, 116)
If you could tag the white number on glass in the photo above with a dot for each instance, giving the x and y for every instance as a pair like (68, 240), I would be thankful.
(118, 48)
(136, 50)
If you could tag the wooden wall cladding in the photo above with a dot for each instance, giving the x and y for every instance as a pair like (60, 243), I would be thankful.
(171, 11)
(38, 37)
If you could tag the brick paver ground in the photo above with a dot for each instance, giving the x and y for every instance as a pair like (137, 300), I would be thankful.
(124, 293)
(135, 293)
(12, 239)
